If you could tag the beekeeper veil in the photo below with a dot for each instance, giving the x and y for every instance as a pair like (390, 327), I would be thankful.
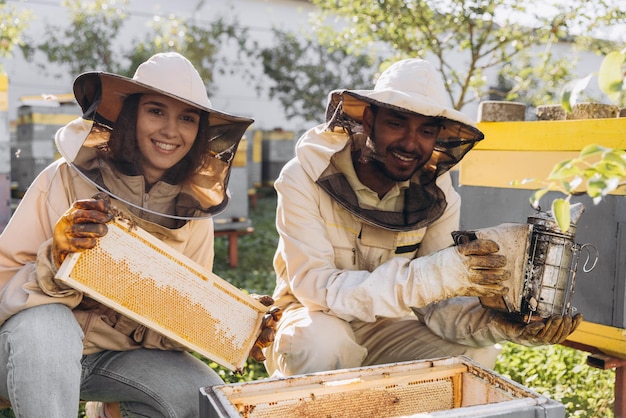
(203, 190)
(413, 86)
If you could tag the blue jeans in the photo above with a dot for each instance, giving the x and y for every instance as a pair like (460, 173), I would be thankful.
(44, 374)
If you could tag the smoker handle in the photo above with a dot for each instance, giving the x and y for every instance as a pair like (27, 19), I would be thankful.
(463, 237)
(587, 247)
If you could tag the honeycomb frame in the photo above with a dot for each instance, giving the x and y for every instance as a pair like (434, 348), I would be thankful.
(167, 292)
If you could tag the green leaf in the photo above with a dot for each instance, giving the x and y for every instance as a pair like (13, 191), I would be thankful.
(563, 170)
(566, 94)
(596, 187)
(609, 169)
(611, 184)
(616, 157)
(572, 90)
(589, 173)
(517, 183)
(571, 185)
(593, 149)
(561, 213)
(536, 197)
(601, 186)
(611, 74)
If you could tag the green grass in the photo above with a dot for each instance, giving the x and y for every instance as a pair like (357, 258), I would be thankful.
(560, 373)
(557, 372)
(254, 272)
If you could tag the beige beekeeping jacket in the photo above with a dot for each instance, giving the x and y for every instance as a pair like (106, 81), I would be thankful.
(26, 265)
(334, 259)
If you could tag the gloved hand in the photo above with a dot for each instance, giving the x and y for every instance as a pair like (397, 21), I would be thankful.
(80, 226)
(268, 328)
(468, 269)
(486, 269)
(553, 330)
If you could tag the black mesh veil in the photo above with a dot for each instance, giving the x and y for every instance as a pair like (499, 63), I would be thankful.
(424, 202)
(344, 111)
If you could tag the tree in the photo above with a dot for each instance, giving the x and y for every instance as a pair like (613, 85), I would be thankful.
(467, 38)
(303, 71)
(87, 43)
(12, 25)
(200, 42)
(91, 41)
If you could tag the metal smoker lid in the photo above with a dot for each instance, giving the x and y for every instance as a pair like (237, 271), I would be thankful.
(546, 219)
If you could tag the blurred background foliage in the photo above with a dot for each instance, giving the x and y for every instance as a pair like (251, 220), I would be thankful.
(347, 42)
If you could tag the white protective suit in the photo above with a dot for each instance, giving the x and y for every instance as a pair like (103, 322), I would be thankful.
(349, 287)
(27, 269)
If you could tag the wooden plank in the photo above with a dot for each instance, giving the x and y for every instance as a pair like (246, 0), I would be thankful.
(558, 135)
(488, 168)
(290, 390)
(609, 340)
(497, 168)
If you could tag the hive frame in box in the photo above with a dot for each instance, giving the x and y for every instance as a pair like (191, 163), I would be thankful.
(167, 292)
(444, 387)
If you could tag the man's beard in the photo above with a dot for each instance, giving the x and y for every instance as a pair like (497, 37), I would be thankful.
(371, 155)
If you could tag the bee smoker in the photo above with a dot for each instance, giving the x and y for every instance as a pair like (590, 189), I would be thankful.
(543, 262)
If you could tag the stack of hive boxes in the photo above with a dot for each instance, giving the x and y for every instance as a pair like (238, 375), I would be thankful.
(33, 148)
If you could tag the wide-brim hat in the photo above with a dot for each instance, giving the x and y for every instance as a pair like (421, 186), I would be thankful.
(168, 73)
(410, 85)
(414, 86)
(101, 96)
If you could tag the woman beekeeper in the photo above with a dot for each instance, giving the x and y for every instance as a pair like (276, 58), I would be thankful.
(154, 147)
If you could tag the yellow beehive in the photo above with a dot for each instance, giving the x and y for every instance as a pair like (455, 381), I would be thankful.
(142, 278)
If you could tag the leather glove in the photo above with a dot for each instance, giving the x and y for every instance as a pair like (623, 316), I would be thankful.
(268, 328)
(80, 226)
(467, 269)
(485, 267)
(553, 330)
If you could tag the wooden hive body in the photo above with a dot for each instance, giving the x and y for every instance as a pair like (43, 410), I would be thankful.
(445, 387)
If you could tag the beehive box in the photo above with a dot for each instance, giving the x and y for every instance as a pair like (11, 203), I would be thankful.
(277, 148)
(445, 387)
(140, 277)
(237, 211)
(513, 151)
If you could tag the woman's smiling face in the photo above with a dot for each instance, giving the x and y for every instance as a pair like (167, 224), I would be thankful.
(166, 131)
